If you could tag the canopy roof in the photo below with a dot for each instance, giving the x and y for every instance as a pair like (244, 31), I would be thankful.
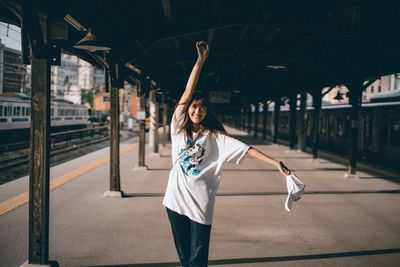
(306, 44)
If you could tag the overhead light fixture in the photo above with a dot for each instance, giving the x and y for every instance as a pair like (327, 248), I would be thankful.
(276, 67)
(90, 43)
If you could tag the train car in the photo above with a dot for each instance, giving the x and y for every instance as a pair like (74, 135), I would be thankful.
(378, 134)
(15, 111)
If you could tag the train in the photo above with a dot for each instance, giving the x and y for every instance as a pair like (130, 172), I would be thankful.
(378, 132)
(15, 116)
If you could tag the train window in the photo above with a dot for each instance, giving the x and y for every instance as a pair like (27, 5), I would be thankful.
(23, 111)
(28, 111)
(1, 111)
(14, 111)
(395, 132)
(367, 131)
(52, 111)
(321, 125)
(18, 111)
(284, 122)
(383, 133)
(339, 127)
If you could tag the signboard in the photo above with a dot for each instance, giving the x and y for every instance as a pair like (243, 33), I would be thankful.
(220, 97)
(106, 98)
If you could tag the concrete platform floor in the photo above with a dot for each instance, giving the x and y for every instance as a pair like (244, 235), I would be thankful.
(338, 222)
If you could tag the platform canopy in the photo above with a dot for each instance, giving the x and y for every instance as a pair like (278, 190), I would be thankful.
(264, 49)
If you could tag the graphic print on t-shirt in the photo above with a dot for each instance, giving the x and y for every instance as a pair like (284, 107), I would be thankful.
(192, 157)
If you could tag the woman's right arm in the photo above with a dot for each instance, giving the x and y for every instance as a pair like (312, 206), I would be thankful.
(202, 51)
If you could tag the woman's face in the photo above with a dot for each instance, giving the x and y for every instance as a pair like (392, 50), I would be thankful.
(197, 112)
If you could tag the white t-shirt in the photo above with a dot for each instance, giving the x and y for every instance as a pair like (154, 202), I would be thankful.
(195, 175)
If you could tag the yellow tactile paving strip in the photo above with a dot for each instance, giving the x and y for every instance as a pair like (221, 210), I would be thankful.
(13, 203)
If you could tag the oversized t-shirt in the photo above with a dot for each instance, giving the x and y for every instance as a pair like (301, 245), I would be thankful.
(195, 176)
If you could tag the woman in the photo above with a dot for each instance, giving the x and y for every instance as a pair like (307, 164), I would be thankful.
(200, 146)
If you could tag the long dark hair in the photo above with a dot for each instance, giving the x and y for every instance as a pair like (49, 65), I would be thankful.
(210, 122)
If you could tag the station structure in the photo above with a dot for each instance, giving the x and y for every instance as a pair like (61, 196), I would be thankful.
(261, 51)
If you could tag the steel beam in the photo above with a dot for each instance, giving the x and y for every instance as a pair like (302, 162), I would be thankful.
(265, 120)
(164, 120)
(277, 110)
(301, 125)
(115, 180)
(355, 95)
(292, 121)
(153, 135)
(249, 119)
(39, 175)
(317, 100)
(256, 112)
(142, 136)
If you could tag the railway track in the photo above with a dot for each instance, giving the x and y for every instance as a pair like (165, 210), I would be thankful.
(16, 164)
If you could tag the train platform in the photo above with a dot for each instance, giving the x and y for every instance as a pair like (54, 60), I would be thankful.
(338, 222)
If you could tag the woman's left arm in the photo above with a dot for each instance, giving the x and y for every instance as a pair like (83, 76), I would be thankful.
(278, 164)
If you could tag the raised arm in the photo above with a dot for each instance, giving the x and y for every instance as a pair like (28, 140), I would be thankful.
(202, 51)
(278, 164)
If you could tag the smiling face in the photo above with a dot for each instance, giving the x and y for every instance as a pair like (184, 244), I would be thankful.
(197, 112)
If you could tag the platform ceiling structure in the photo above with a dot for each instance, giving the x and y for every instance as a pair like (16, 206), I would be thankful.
(307, 44)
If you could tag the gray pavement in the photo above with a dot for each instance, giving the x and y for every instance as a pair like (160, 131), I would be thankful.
(338, 222)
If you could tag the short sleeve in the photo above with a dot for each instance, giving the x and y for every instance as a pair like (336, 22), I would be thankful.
(233, 149)
(176, 123)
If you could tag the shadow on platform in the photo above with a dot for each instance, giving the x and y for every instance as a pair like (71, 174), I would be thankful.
(232, 194)
(273, 259)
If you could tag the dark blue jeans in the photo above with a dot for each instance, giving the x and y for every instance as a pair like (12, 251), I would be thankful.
(191, 239)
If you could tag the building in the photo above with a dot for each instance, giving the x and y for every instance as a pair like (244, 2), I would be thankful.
(12, 71)
(74, 77)
(64, 79)
(383, 84)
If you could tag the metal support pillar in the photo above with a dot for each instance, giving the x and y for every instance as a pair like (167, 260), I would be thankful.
(301, 125)
(277, 110)
(256, 112)
(238, 116)
(39, 177)
(317, 100)
(293, 120)
(242, 118)
(153, 135)
(164, 120)
(355, 95)
(249, 109)
(142, 136)
(265, 120)
(114, 83)
(114, 139)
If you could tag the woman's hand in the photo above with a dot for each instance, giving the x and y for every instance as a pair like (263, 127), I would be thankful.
(202, 50)
(283, 169)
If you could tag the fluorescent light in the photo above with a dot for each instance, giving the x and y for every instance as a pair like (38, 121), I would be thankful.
(74, 23)
(276, 67)
(130, 66)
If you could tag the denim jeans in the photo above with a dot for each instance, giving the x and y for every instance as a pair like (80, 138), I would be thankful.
(191, 239)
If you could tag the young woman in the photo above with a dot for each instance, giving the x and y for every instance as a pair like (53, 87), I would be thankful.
(200, 146)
